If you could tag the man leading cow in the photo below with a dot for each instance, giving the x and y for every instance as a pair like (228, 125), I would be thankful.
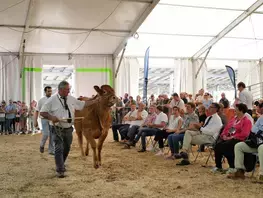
(58, 108)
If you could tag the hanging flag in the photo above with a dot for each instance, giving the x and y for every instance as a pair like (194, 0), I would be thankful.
(232, 77)
(146, 69)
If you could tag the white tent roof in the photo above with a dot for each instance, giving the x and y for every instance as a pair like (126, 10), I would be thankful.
(180, 28)
(175, 28)
(64, 26)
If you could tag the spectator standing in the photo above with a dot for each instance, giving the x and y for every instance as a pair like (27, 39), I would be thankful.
(224, 100)
(245, 97)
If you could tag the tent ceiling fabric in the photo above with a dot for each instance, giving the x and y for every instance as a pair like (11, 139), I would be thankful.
(179, 28)
(175, 28)
(111, 20)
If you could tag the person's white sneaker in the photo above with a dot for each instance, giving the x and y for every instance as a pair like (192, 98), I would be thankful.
(230, 171)
(150, 148)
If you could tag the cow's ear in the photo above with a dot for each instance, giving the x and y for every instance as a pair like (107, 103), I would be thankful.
(98, 90)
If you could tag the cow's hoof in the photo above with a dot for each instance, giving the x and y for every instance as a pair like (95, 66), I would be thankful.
(87, 154)
(96, 166)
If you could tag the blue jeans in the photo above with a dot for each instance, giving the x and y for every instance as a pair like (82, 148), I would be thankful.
(45, 135)
(143, 133)
(173, 141)
(9, 122)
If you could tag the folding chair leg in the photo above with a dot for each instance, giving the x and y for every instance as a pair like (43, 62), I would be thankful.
(210, 155)
(196, 156)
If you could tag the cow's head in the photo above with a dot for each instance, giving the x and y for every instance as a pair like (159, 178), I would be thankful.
(106, 94)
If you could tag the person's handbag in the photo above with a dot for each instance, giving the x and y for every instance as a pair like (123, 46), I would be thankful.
(254, 140)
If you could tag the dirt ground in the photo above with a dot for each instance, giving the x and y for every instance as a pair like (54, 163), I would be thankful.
(24, 172)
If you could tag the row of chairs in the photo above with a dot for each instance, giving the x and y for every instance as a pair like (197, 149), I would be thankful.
(209, 146)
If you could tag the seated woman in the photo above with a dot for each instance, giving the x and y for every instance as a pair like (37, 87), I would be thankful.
(237, 130)
(174, 125)
(202, 116)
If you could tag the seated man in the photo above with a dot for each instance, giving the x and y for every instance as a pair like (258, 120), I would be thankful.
(137, 121)
(208, 133)
(176, 138)
(133, 130)
(241, 148)
(159, 124)
(131, 115)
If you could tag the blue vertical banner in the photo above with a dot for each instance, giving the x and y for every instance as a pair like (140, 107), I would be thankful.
(232, 77)
(146, 69)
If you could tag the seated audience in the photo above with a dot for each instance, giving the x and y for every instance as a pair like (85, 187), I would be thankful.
(241, 148)
(222, 114)
(123, 127)
(190, 98)
(206, 101)
(175, 139)
(208, 133)
(176, 101)
(159, 124)
(201, 116)
(237, 130)
(174, 125)
(133, 130)
(137, 121)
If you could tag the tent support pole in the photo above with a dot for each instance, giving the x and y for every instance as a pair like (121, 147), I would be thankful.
(119, 64)
(203, 61)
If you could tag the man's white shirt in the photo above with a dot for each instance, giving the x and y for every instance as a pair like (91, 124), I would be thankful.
(144, 115)
(180, 104)
(246, 98)
(131, 114)
(213, 127)
(55, 107)
(161, 117)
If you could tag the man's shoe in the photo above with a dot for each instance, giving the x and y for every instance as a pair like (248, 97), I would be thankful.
(41, 149)
(142, 150)
(60, 175)
(184, 162)
(217, 170)
(126, 146)
(177, 156)
(239, 174)
(130, 143)
(184, 155)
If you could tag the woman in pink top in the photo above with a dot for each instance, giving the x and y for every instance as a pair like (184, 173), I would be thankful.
(235, 131)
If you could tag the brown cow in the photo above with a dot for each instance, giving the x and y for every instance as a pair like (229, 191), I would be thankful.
(96, 122)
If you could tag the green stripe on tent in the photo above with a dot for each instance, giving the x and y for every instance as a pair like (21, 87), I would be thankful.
(33, 69)
(98, 70)
(27, 69)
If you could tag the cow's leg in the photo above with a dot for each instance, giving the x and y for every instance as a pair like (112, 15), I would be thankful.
(87, 148)
(80, 140)
(100, 144)
(93, 146)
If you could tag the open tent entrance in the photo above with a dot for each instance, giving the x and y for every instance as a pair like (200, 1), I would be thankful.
(53, 74)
